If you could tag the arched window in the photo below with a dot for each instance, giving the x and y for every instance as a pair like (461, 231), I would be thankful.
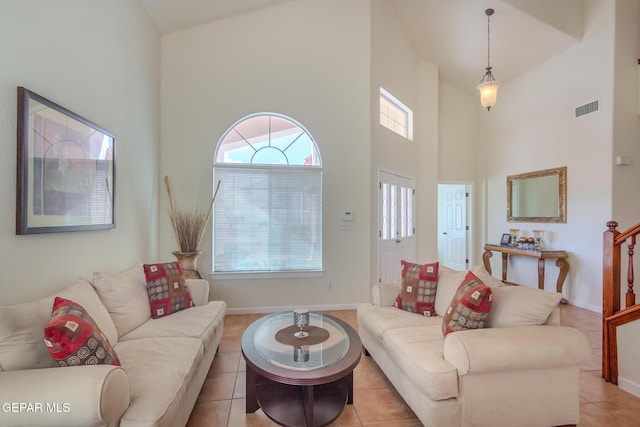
(267, 216)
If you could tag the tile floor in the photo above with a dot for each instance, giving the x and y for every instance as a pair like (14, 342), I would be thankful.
(221, 402)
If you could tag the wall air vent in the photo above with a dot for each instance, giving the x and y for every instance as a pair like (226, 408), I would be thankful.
(587, 108)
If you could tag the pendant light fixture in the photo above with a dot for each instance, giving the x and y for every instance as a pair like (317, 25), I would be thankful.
(488, 86)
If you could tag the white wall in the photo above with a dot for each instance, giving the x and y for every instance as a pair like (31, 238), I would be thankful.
(626, 203)
(101, 61)
(532, 128)
(396, 67)
(461, 157)
(306, 59)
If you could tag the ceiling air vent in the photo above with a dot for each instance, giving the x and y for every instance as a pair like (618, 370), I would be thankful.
(587, 108)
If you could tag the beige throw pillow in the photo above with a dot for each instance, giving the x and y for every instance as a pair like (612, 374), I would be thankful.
(521, 306)
(21, 326)
(125, 296)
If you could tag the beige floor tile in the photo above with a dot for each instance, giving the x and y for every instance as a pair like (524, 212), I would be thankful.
(368, 375)
(240, 389)
(399, 423)
(238, 417)
(349, 417)
(381, 405)
(595, 389)
(210, 414)
(591, 415)
(626, 409)
(225, 362)
(594, 363)
(230, 344)
(218, 387)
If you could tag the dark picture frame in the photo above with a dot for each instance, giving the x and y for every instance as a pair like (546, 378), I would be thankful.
(506, 239)
(65, 169)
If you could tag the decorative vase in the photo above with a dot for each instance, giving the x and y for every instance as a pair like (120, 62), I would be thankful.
(301, 320)
(188, 261)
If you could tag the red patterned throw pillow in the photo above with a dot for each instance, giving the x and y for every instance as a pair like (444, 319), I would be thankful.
(73, 338)
(469, 307)
(166, 289)
(419, 283)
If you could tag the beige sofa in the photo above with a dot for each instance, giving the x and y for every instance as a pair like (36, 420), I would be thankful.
(164, 361)
(521, 370)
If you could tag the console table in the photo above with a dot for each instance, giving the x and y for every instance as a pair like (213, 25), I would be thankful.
(559, 256)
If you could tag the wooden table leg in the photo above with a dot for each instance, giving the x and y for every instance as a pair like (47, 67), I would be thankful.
(486, 260)
(541, 273)
(505, 261)
(349, 380)
(307, 399)
(563, 265)
(251, 399)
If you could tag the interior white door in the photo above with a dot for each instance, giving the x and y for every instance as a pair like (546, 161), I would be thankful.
(396, 225)
(452, 226)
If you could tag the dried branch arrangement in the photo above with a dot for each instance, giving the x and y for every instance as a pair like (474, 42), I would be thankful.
(189, 226)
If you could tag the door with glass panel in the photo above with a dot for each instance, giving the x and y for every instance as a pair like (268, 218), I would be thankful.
(396, 225)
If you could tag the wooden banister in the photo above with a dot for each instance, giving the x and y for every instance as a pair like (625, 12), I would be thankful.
(609, 329)
(612, 315)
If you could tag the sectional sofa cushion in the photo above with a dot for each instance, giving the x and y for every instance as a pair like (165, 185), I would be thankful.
(160, 372)
(381, 319)
(124, 294)
(21, 326)
(202, 322)
(166, 289)
(521, 306)
(418, 350)
(73, 338)
(469, 307)
(419, 286)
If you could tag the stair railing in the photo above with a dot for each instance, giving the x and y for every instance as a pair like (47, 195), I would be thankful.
(612, 314)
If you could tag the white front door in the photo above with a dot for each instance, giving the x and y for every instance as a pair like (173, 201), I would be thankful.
(396, 225)
(452, 226)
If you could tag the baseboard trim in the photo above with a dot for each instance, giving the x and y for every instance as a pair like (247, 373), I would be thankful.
(277, 309)
(594, 308)
(629, 386)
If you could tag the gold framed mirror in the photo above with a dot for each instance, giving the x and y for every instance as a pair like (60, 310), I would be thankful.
(539, 196)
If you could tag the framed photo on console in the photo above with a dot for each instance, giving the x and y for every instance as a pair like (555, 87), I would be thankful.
(65, 169)
(506, 239)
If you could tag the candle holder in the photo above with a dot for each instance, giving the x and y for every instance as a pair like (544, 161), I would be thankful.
(300, 354)
(514, 236)
(538, 235)
(301, 319)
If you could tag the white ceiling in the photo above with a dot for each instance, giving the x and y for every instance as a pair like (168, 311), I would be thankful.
(449, 33)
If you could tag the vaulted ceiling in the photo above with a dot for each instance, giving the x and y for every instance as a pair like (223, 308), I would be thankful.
(449, 33)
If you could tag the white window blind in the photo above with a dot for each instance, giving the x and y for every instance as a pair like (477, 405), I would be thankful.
(267, 219)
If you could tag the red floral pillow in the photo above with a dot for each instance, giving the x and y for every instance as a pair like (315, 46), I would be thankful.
(166, 289)
(419, 283)
(469, 307)
(73, 338)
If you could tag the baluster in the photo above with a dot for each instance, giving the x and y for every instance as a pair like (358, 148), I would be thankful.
(630, 296)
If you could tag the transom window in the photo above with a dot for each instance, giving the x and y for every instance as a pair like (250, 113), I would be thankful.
(267, 216)
(395, 116)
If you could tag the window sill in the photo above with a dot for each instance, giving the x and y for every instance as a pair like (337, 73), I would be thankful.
(266, 275)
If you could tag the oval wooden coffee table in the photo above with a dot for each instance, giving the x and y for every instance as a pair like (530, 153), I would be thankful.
(300, 381)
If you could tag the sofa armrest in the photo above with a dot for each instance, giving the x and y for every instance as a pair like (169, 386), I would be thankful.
(384, 294)
(515, 348)
(74, 396)
(199, 290)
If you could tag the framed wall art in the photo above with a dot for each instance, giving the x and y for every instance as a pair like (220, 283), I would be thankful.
(65, 169)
